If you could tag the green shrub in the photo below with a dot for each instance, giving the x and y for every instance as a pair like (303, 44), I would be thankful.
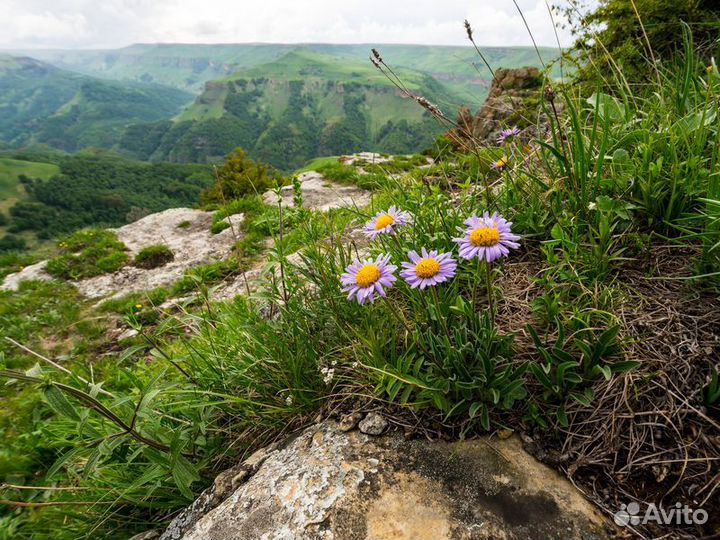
(88, 253)
(153, 256)
(10, 242)
(238, 177)
(199, 276)
(611, 36)
(219, 226)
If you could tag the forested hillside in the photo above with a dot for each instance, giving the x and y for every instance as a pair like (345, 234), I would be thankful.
(40, 103)
(300, 106)
(284, 104)
(67, 192)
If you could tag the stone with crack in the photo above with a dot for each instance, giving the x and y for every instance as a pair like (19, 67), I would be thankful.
(329, 484)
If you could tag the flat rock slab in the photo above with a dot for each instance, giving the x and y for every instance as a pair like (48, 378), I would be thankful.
(184, 230)
(364, 158)
(328, 484)
(320, 194)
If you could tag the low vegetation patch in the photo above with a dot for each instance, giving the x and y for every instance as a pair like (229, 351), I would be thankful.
(88, 253)
(153, 256)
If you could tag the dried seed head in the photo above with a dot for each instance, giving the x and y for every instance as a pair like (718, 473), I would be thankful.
(377, 56)
(432, 108)
(468, 29)
(549, 93)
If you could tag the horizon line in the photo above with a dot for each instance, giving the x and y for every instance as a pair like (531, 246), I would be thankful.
(267, 43)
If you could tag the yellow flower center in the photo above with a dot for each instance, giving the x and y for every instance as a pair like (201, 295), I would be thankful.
(427, 268)
(502, 162)
(384, 221)
(485, 236)
(367, 275)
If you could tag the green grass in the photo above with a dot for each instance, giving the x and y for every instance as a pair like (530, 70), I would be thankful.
(11, 190)
(537, 342)
(313, 164)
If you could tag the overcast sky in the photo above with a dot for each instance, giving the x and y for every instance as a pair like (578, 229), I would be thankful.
(117, 23)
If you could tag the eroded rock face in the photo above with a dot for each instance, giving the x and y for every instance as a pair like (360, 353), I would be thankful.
(328, 484)
(34, 271)
(184, 230)
(508, 94)
(321, 194)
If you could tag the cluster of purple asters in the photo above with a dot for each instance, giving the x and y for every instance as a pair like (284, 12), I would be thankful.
(487, 238)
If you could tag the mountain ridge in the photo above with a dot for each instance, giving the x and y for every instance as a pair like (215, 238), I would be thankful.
(41, 103)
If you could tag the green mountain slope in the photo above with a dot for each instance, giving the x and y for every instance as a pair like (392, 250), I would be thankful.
(45, 104)
(183, 66)
(189, 66)
(299, 106)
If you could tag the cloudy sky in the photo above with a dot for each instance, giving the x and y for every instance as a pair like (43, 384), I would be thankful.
(116, 23)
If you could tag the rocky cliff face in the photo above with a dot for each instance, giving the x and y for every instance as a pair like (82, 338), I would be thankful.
(329, 483)
(507, 105)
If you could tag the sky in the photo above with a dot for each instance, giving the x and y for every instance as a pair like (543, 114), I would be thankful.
(86, 24)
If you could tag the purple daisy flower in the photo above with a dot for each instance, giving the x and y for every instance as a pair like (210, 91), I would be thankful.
(488, 238)
(501, 163)
(386, 222)
(428, 269)
(364, 278)
(506, 134)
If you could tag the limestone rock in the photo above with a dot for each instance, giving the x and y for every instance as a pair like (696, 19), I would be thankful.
(34, 271)
(350, 421)
(184, 230)
(509, 93)
(373, 424)
(364, 158)
(518, 81)
(328, 484)
(321, 194)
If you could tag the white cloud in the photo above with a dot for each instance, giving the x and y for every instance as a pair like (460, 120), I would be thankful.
(116, 23)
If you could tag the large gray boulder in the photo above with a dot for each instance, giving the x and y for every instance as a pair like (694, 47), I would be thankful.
(330, 484)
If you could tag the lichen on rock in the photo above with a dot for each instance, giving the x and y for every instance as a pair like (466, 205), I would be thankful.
(329, 484)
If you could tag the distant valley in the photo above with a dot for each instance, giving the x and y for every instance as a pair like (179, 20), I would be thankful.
(284, 104)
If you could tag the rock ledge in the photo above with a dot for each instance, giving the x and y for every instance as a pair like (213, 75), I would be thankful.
(330, 484)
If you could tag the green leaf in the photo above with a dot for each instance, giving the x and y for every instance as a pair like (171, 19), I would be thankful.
(63, 459)
(59, 403)
(184, 473)
(485, 418)
(607, 106)
(622, 367)
(540, 375)
(562, 417)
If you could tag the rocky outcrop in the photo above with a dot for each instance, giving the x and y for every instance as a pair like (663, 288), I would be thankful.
(508, 99)
(185, 231)
(331, 484)
(320, 194)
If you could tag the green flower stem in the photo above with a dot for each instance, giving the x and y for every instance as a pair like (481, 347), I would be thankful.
(475, 281)
(443, 323)
(489, 285)
(401, 318)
